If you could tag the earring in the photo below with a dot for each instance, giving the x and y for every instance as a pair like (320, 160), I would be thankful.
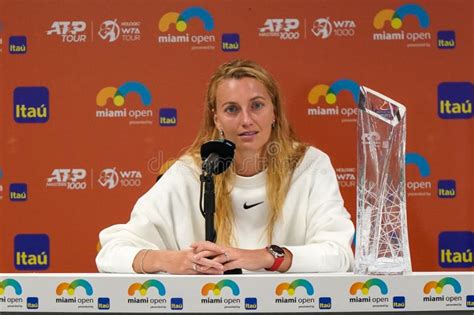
(221, 133)
(273, 123)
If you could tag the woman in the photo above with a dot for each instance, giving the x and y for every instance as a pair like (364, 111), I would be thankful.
(278, 207)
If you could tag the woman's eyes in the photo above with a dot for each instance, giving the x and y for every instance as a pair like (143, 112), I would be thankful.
(233, 109)
(257, 105)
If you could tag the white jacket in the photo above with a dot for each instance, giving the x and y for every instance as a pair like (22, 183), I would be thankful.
(314, 224)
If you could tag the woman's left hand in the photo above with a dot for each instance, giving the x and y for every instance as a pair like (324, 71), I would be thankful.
(230, 257)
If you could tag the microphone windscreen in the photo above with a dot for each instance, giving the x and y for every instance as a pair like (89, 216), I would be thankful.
(224, 149)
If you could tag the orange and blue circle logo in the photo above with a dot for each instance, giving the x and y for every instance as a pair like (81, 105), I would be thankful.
(15, 285)
(118, 94)
(420, 162)
(396, 17)
(290, 288)
(438, 286)
(70, 288)
(143, 287)
(216, 288)
(365, 287)
(330, 92)
(181, 20)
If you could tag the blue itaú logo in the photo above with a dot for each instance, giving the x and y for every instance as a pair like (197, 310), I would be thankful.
(446, 188)
(230, 42)
(455, 249)
(168, 117)
(31, 252)
(446, 40)
(18, 192)
(455, 100)
(31, 104)
(17, 45)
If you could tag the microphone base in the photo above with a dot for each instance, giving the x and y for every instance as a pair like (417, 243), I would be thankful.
(236, 271)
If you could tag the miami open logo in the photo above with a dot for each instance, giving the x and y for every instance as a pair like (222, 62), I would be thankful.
(15, 285)
(118, 97)
(419, 188)
(11, 301)
(367, 287)
(181, 21)
(217, 289)
(439, 287)
(70, 288)
(328, 94)
(396, 18)
(146, 288)
(118, 94)
(303, 298)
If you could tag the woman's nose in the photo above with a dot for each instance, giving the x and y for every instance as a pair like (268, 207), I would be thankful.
(246, 118)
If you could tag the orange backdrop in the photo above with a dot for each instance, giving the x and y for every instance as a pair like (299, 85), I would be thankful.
(96, 95)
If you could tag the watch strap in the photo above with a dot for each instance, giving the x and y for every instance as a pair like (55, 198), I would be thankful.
(277, 263)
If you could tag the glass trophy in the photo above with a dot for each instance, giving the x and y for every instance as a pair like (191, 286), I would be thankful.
(381, 235)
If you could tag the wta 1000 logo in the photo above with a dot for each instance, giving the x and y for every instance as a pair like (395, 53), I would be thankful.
(70, 288)
(396, 18)
(118, 100)
(224, 285)
(181, 22)
(5, 293)
(145, 289)
(328, 94)
(368, 287)
(434, 291)
(286, 293)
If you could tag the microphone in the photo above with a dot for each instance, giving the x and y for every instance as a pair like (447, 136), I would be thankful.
(217, 155)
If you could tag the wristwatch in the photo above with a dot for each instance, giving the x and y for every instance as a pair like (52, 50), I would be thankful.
(278, 253)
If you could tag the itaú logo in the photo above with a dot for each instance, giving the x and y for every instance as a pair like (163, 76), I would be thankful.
(31, 104)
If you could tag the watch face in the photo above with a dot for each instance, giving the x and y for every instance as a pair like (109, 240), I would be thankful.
(278, 250)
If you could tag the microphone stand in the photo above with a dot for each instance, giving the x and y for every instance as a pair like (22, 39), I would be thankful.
(207, 179)
(209, 205)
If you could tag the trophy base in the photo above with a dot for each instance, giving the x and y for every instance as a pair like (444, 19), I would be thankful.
(384, 266)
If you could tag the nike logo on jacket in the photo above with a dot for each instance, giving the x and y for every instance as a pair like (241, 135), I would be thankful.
(246, 207)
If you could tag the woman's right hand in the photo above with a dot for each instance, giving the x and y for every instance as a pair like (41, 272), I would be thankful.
(180, 262)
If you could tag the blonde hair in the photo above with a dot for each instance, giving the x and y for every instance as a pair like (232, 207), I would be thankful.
(282, 153)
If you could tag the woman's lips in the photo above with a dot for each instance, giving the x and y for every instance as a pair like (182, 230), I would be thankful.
(248, 133)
